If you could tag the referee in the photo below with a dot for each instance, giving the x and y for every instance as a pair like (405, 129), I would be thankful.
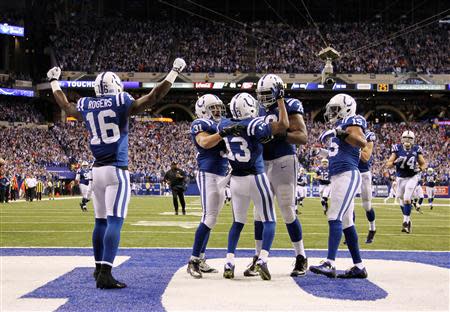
(177, 181)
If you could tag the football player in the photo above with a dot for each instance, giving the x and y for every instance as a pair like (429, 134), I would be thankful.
(212, 170)
(392, 191)
(280, 163)
(364, 165)
(322, 175)
(106, 117)
(345, 141)
(302, 181)
(430, 185)
(408, 160)
(83, 179)
(249, 181)
(417, 197)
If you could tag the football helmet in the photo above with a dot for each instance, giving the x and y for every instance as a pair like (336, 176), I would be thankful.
(430, 170)
(107, 83)
(324, 162)
(302, 171)
(340, 106)
(209, 106)
(264, 90)
(243, 106)
(84, 164)
(408, 139)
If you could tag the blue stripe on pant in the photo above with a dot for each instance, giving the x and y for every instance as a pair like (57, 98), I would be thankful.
(118, 194)
(346, 198)
(125, 194)
(261, 193)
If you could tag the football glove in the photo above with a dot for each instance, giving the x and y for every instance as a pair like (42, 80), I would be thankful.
(178, 65)
(234, 130)
(278, 91)
(370, 136)
(54, 73)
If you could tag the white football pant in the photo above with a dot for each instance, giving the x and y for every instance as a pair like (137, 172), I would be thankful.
(301, 191)
(430, 191)
(324, 190)
(86, 190)
(212, 196)
(406, 187)
(366, 190)
(418, 192)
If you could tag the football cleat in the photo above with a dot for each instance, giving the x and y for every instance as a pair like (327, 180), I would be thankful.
(370, 237)
(263, 270)
(354, 272)
(419, 210)
(193, 268)
(431, 207)
(251, 271)
(409, 226)
(325, 268)
(205, 268)
(83, 207)
(105, 280)
(405, 227)
(301, 265)
(96, 273)
(228, 271)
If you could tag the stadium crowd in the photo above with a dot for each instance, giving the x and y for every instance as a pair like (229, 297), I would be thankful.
(222, 48)
(17, 109)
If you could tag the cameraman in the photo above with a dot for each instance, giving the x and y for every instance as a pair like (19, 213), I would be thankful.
(177, 181)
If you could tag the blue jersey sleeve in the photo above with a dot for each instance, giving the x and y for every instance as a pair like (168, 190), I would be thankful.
(125, 99)
(259, 129)
(294, 106)
(202, 125)
(394, 149)
(419, 150)
(356, 120)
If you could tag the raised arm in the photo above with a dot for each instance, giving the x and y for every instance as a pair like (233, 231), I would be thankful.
(158, 92)
(280, 127)
(297, 130)
(68, 107)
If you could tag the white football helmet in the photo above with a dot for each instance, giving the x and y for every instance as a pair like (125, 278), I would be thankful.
(340, 106)
(264, 90)
(430, 170)
(84, 164)
(107, 83)
(243, 106)
(209, 106)
(324, 162)
(408, 139)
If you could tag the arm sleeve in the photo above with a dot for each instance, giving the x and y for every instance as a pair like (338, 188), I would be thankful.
(259, 129)
(294, 106)
(200, 125)
(125, 99)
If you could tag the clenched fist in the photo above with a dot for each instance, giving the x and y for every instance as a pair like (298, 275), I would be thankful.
(54, 73)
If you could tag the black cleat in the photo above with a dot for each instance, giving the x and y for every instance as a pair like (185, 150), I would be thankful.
(95, 274)
(370, 237)
(228, 271)
(301, 265)
(105, 280)
(409, 226)
(251, 270)
(205, 268)
(176, 213)
(83, 207)
(324, 268)
(193, 268)
(263, 270)
(431, 207)
(405, 227)
(354, 272)
(184, 213)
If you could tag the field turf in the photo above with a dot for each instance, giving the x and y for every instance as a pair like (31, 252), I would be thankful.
(151, 223)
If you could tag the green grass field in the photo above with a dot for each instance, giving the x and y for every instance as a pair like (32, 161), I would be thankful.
(61, 223)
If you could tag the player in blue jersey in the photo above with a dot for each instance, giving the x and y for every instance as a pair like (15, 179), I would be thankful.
(417, 196)
(211, 176)
(364, 165)
(323, 176)
(249, 181)
(302, 181)
(344, 143)
(408, 161)
(84, 178)
(280, 162)
(106, 118)
(430, 185)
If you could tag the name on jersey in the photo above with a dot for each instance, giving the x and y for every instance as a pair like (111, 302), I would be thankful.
(100, 103)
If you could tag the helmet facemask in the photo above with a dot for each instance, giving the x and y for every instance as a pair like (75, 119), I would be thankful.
(216, 111)
(265, 98)
(407, 141)
(332, 113)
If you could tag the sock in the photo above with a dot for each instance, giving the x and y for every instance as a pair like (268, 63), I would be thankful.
(268, 235)
(201, 235)
(325, 199)
(259, 227)
(111, 239)
(351, 237)
(407, 209)
(420, 201)
(295, 233)
(371, 218)
(84, 201)
(97, 238)
(431, 200)
(205, 243)
(202, 255)
(372, 226)
(230, 258)
(359, 265)
(334, 238)
(331, 262)
(233, 236)
(264, 255)
(301, 200)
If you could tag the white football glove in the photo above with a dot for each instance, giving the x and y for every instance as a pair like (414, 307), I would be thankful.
(178, 65)
(54, 73)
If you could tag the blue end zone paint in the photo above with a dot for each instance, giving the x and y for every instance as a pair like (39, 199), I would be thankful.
(148, 272)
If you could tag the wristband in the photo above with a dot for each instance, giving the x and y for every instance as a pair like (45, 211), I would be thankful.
(171, 76)
(55, 85)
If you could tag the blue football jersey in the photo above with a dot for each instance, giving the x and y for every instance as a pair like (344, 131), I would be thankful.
(341, 155)
(276, 148)
(245, 152)
(324, 174)
(430, 179)
(85, 176)
(406, 162)
(302, 180)
(106, 119)
(211, 160)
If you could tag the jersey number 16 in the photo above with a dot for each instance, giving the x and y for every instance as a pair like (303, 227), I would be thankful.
(103, 137)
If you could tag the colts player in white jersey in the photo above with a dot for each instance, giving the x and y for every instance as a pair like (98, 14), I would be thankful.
(84, 180)
(430, 185)
(212, 170)
(249, 181)
(364, 165)
(106, 119)
(344, 142)
(408, 160)
(280, 162)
